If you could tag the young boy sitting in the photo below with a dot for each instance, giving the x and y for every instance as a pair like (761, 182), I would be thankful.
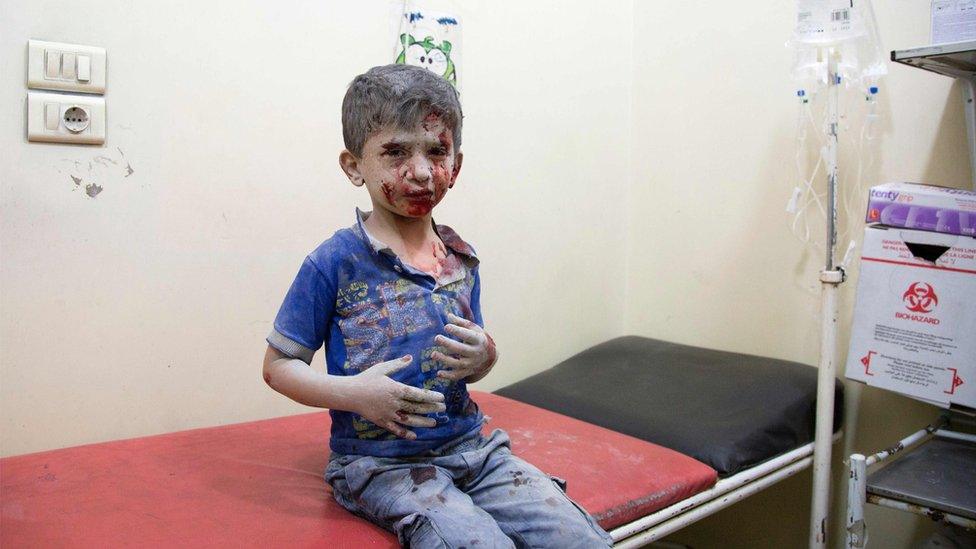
(395, 301)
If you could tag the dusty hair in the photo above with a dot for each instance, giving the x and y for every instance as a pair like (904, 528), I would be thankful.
(400, 96)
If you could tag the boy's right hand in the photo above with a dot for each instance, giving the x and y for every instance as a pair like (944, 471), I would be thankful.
(391, 404)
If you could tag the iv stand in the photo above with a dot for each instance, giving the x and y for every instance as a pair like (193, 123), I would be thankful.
(830, 278)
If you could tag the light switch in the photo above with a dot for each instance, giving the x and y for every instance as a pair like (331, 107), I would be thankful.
(84, 68)
(52, 115)
(68, 65)
(52, 69)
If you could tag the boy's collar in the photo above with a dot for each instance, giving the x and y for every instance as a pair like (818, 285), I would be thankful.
(446, 234)
(377, 245)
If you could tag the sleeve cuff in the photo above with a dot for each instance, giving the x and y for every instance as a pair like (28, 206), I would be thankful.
(289, 347)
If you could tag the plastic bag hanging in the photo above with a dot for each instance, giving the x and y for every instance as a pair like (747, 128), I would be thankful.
(849, 27)
(431, 40)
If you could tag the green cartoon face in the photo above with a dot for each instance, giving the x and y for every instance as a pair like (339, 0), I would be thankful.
(434, 57)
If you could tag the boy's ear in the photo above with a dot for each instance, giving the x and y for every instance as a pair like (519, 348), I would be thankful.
(350, 166)
(458, 159)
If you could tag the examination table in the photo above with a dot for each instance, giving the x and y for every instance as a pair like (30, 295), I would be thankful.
(260, 483)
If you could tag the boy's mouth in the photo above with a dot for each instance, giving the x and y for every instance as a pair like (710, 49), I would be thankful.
(420, 203)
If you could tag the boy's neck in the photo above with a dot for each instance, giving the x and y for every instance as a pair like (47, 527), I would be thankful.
(394, 230)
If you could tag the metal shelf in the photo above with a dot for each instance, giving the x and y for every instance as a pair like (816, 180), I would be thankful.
(932, 476)
(938, 475)
(957, 60)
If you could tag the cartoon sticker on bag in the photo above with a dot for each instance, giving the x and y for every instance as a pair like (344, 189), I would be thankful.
(430, 40)
(434, 57)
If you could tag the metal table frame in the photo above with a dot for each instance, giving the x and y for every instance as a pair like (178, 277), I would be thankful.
(726, 492)
(857, 495)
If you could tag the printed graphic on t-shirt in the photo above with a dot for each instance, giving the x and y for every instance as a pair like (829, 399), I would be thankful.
(369, 318)
(427, 362)
(367, 430)
(366, 340)
(455, 298)
(405, 304)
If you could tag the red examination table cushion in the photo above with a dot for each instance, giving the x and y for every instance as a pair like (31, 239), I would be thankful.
(260, 483)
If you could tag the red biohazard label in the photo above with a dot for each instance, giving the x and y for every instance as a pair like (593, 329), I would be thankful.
(920, 298)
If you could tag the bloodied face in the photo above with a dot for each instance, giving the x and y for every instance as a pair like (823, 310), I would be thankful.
(408, 171)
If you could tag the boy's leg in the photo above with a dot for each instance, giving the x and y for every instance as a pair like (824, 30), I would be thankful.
(528, 504)
(414, 499)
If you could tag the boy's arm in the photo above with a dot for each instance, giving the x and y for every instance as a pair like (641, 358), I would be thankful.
(371, 393)
(299, 382)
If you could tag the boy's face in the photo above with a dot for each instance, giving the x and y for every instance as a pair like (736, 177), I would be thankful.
(407, 172)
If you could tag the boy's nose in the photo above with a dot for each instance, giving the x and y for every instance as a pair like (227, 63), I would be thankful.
(420, 170)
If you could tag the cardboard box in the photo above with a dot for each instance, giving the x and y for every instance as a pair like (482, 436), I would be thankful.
(924, 207)
(914, 328)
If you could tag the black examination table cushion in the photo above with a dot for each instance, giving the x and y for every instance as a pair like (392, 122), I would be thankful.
(728, 410)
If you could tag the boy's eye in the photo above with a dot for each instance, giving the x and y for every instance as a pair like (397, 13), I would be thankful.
(438, 151)
(394, 152)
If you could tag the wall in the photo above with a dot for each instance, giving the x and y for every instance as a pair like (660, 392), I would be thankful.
(713, 262)
(144, 309)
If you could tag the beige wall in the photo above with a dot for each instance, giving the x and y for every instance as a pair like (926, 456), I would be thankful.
(712, 260)
(626, 171)
(144, 310)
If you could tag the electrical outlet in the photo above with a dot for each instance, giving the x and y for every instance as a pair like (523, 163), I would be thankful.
(67, 67)
(64, 118)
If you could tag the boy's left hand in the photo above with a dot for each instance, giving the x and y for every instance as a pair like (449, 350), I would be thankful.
(473, 350)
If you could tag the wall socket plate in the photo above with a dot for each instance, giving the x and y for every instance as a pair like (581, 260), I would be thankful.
(65, 118)
(67, 67)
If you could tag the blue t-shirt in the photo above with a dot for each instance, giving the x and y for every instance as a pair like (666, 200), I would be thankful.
(355, 296)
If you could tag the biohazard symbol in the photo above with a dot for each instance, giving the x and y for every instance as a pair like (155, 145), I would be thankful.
(866, 361)
(920, 297)
(956, 381)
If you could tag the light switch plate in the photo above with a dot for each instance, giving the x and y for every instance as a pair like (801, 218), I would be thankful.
(65, 118)
(48, 68)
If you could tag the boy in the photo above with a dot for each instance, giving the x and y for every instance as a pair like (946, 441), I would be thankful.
(396, 301)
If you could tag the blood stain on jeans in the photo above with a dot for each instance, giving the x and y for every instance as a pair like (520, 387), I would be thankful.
(519, 481)
(420, 475)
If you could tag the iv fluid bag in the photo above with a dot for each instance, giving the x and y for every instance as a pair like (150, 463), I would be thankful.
(825, 22)
(847, 26)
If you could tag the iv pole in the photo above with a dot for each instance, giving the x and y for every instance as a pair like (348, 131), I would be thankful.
(830, 278)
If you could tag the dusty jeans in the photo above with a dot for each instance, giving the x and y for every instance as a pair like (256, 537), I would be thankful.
(470, 493)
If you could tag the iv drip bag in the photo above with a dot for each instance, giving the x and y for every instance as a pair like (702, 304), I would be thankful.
(847, 26)
(827, 22)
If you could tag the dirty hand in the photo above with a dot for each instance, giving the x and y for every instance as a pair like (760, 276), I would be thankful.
(391, 404)
(473, 351)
